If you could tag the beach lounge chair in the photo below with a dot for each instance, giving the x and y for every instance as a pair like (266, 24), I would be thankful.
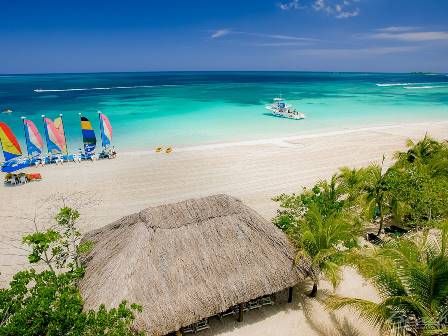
(232, 311)
(202, 325)
(374, 239)
(196, 327)
(13, 180)
(254, 304)
(395, 230)
(34, 176)
(266, 300)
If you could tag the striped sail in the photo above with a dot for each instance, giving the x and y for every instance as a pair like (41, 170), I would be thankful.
(106, 130)
(10, 145)
(55, 142)
(34, 142)
(88, 135)
(58, 124)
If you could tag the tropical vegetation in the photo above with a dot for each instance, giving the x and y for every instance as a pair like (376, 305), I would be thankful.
(383, 200)
(48, 302)
(411, 275)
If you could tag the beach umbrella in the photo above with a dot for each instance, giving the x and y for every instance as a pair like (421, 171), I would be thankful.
(15, 164)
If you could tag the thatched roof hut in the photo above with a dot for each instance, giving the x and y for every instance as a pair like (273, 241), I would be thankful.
(187, 261)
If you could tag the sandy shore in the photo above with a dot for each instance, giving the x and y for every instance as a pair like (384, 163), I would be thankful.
(253, 171)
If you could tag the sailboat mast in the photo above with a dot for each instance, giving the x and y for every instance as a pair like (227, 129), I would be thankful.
(82, 134)
(65, 137)
(27, 137)
(46, 134)
(101, 130)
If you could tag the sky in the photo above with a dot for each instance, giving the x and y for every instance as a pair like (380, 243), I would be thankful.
(169, 35)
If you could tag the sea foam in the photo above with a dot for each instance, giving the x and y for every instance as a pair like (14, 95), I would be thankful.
(94, 88)
(407, 84)
(424, 87)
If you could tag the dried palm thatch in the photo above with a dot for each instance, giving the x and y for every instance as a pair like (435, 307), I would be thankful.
(187, 261)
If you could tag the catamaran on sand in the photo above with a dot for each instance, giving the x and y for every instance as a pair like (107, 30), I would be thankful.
(280, 108)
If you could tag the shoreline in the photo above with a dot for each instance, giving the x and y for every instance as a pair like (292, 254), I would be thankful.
(285, 141)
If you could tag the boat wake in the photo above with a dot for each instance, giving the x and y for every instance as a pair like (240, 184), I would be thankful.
(424, 87)
(407, 84)
(395, 84)
(101, 88)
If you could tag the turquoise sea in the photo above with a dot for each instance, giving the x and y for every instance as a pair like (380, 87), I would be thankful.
(187, 108)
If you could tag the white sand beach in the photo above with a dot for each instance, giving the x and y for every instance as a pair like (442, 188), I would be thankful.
(253, 171)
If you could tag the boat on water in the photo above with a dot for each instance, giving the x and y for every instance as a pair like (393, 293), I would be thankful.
(280, 108)
(7, 110)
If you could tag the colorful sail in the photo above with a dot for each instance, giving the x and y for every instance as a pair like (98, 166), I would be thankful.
(88, 135)
(10, 145)
(34, 141)
(106, 130)
(60, 128)
(55, 143)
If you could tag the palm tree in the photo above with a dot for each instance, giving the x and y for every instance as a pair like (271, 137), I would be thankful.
(412, 278)
(427, 152)
(377, 192)
(352, 181)
(328, 195)
(324, 240)
(421, 151)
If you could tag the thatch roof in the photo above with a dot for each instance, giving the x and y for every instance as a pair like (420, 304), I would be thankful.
(187, 261)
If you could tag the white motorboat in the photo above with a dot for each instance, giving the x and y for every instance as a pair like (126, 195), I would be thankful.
(280, 108)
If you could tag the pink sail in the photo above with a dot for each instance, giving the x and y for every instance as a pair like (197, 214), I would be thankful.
(55, 142)
(60, 128)
(106, 130)
(35, 144)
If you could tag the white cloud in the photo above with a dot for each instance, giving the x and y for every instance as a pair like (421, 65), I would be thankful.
(340, 9)
(294, 4)
(412, 36)
(280, 44)
(346, 15)
(220, 33)
(355, 52)
(224, 32)
(397, 29)
(280, 37)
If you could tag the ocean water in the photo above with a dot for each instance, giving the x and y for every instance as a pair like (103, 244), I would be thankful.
(188, 108)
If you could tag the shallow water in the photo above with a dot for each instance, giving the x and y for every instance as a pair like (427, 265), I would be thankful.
(185, 108)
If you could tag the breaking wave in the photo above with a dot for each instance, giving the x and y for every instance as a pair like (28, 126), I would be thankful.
(99, 88)
(406, 84)
(424, 87)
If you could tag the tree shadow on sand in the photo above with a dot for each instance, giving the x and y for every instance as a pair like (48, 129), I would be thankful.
(326, 323)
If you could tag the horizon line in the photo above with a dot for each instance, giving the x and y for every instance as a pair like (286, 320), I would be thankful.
(205, 71)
